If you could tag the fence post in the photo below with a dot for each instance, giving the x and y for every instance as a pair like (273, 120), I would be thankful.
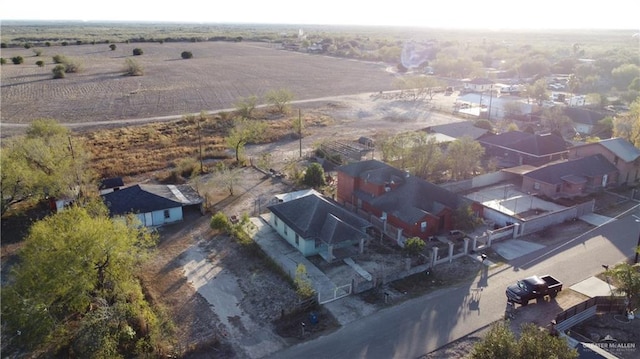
(450, 252)
(466, 245)
(434, 256)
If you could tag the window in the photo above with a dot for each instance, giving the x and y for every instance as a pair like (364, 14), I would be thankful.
(167, 214)
(423, 227)
(297, 239)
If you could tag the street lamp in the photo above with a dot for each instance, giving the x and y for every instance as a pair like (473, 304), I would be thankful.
(638, 244)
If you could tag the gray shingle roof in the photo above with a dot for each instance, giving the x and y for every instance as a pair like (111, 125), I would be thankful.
(145, 198)
(622, 148)
(314, 216)
(410, 201)
(414, 199)
(585, 167)
(582, 115)
(532, 144)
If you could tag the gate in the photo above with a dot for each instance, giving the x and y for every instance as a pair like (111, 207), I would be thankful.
(337, 293)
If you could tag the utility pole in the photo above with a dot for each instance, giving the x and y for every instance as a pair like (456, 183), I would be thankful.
(200, 146)
(300, 130)
(490, 98)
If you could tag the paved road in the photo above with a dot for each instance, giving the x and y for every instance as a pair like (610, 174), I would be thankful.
(424, 324)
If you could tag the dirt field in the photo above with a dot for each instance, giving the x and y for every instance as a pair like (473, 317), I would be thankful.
(217, 76)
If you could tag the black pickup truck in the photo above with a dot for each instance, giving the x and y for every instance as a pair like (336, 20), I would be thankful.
(533, 288)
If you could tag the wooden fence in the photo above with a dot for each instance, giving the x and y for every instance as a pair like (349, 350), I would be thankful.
(587, 309)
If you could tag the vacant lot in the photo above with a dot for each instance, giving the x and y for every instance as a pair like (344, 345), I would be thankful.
(217, 76)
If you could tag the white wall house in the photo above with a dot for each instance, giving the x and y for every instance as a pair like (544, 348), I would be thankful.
(315, 225)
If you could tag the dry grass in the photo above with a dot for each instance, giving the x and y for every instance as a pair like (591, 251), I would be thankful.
(167, 147)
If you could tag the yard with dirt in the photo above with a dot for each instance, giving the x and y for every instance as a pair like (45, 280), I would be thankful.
(229, 300)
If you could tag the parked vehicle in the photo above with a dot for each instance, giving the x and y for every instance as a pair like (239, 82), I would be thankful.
(534, 287)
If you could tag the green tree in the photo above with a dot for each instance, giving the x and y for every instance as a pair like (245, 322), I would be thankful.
(246, 105)
(465, 219)
(40, 63)
(627, 125)
(186, 54)
(463, 157)
(137, 51)
(48, 161)
(280, 99)
(75, 286)
(554, 119)
(17, 60)
(112, 47)
(627, 278)
(538, 91)
(314, 176)
(500, 342)
(243, 132)
(624, 74)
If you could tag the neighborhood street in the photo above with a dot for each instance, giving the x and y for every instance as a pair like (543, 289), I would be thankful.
(424, 324)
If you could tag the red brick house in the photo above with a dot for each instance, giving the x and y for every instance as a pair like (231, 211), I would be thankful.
(618, 151)
(571, 178)
(516, 148)
(419, 208)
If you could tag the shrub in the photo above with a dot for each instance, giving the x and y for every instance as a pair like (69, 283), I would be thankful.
(484, 124)
(58, 71)
(47, 44)
(220, 222)
(40, 63)
(3, 45)
(186, 54)
(112, 47)
(64, 43)
(3, 61)
(37, 52)
(17, 60)
(27, 46)
(414, 245)
(72, 66)
(132, 68)
(78, 42)
(59, 59)
(137, 51)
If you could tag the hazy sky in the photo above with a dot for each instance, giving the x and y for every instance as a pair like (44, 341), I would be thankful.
(547, 14)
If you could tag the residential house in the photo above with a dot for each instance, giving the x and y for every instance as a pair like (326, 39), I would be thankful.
(584, 120)
(571, 178)
(620, 152)
(516, 148)
(478, 84)
(493, 107)
(109, 185)
(458, 129)
(416, 206)
(315, 225)
(154, 205)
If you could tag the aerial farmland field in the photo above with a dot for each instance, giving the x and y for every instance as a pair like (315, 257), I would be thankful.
(218, 75)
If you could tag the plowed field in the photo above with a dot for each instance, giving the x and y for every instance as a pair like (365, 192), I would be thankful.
(219, 74)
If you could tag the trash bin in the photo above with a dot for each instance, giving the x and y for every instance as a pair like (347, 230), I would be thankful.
(313, 318)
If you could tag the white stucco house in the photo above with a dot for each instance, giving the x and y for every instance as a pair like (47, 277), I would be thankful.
(314, 225)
